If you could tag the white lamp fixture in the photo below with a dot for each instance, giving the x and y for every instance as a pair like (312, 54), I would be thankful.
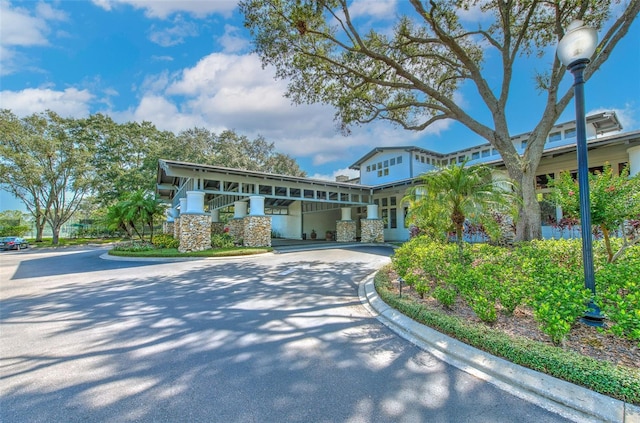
(578, 43)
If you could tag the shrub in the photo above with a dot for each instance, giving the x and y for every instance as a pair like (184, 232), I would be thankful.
(223, 240)
(165, 241)
(134, 246)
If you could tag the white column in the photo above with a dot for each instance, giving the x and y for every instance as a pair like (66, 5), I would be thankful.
(183, 205)
(346, 213)
(634, 160)
(195, 201)
(239, 209)
(372, 211)
(256, 208)
(215, 216)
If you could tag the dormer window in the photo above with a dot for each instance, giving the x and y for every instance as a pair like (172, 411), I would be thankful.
(555, 136)
(570, 133)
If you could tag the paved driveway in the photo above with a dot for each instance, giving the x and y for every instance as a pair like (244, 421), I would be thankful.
(274, 338)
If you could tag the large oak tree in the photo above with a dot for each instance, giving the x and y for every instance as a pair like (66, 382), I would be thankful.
(410, 75)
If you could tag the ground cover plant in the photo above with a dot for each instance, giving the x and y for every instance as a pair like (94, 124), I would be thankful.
(167, 246)
(524, 303)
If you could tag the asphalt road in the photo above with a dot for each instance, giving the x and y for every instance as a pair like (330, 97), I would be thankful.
(272, 338)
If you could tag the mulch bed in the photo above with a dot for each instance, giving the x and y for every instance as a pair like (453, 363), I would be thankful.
(583, 339)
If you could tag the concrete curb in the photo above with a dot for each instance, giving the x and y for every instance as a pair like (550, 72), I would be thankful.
(570, 401)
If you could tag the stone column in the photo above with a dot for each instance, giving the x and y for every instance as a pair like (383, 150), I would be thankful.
(236, 225)
(634, 160)
(372, 228)
(217, 227)
(195, 232)
(346, 228)
(257, 231)
(256, 207)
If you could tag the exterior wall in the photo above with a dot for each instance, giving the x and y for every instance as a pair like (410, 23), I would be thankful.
(346, 230)
(396, 172)
(321, 222)
(257, 231)
(372, 230)
(195, 232)
(289, 226)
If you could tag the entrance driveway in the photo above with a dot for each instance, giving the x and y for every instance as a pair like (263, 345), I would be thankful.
(272, 338)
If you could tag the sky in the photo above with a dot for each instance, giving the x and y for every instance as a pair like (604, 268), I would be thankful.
(186, 64)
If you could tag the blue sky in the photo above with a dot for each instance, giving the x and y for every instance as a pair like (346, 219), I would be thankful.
(181, 64)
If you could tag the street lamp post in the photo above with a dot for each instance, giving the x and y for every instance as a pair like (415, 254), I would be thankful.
(574, 51)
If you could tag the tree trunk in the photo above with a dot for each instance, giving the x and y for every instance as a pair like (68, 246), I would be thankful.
(56, 235)
(529, 224)
(607, 243)
(39, 231)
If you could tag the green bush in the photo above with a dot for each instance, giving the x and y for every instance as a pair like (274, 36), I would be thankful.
(544, 275)
(618, 382)
(223, 240)
(165, 241)
(134, 246)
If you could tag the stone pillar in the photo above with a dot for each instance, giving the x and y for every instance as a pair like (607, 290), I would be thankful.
(256, 208)
(236, 225)
(168, 228)
(239, 209)
(345, 230)
(372, 230)
(176, 228)
(372, 211)
(217, 227)
(195, 232)
(195, 202)
(257, 231)
(634, 160)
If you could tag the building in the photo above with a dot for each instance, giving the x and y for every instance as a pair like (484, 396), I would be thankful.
(257, 205)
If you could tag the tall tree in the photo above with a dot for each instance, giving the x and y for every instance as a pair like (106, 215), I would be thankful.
(45, 165)
(410, 75)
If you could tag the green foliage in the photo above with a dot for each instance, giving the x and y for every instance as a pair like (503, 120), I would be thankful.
(165, 241)
(618, 382)
(613, 199)
(223, 240)
(456, 194)
(17, 230)
(134, 246)
(544, 275)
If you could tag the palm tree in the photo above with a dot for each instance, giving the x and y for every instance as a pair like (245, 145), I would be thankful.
(456, 193)
(142, 208)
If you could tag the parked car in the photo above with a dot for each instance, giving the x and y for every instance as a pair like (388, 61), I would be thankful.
(13, 243)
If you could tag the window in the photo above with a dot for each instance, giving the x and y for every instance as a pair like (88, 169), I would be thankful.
(385, 202)
(570, 133)
(393, 219)
(486, 153)
(386, 172)
(555, 136)
(380, 173)
(421, 159)
(452, 160)
(392, 162)
(379, 165)
(368, 168)
(417, 158)
(428, 160)
(523, 144)
(475, 155)
(461, 159)
(386, 163)
(399, 159)
(392, 201)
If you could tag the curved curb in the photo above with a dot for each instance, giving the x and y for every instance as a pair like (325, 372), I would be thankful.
(566, 399)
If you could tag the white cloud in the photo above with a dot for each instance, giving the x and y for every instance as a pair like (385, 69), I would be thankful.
(69, 103)
(19, 27)
(175, 34)
(379, 9)
(340, 172)
(164, 9)
(230, 42)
